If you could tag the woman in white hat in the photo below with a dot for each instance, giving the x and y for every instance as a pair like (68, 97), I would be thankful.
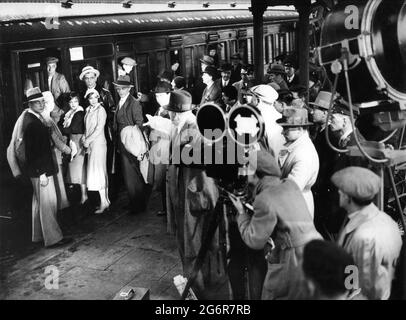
(94, 141)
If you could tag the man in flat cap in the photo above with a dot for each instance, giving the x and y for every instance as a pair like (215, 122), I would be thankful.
(299, 160)
(368, 234)
(212, 92)
(281, 224)
(292, 76)
(56, 83)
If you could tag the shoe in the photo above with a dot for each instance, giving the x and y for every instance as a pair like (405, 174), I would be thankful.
(61, 243)
(83, 201)
(101, 210)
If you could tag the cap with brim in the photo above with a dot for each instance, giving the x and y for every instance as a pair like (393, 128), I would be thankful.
(51, 60)
(294, 117)
(34, 94)
(123, 81)
(322, 100)
(180, 101)
(276, 69)
(236, 56)
(207, 60)
(90, 91)
(89, 69)
(129, 61)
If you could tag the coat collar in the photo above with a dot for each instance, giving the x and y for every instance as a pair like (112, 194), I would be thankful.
(360, 217)
(302, 140)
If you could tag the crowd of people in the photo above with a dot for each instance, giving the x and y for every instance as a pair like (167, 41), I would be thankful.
(313, 208)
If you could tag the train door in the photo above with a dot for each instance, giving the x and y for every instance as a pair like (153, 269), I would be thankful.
(100, 56)
(143, 72)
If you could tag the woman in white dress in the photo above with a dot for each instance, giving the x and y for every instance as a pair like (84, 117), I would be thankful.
(73, 127)
(95, 143)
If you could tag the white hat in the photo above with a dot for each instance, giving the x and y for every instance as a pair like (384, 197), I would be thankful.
(88, 69)
(34, 94)
(265, 93)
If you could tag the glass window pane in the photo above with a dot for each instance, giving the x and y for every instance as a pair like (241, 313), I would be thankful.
(143, 72)
(176, 61)
(189, 67)
(249, 51)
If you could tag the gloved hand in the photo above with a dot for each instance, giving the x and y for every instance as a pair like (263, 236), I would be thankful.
(43, 180)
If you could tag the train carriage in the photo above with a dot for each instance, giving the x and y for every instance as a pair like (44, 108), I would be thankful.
(100, 35)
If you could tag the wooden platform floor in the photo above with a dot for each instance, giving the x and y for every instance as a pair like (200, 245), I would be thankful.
(109, 252)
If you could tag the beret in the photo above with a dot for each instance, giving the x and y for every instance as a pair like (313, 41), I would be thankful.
(359, 183)
(264, 164)
(51, 60)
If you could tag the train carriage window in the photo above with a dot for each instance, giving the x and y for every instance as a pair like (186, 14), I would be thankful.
(287, 39)
(249, 51)
(222, 48)
(233, 47)
(189, 67)
(175, 60)
(276, 45)
(242, 49)
(160, 64)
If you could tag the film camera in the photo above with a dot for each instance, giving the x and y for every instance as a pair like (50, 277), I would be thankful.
(373, 40)
(229, 137)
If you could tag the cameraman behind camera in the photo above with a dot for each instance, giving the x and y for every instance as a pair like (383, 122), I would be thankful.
(280, 211)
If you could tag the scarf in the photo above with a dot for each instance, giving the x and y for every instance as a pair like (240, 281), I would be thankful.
(69, 116)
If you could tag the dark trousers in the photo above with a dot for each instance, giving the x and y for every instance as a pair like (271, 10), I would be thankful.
(246, 267)
(134, 181)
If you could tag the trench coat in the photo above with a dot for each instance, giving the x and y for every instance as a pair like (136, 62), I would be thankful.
(300, 162)
(280, 214)
(191, 196)
(374, 240)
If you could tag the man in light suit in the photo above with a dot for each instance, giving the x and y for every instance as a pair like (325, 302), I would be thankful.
(212, 92)
(56, 82)
(40, 168)
(299, 160)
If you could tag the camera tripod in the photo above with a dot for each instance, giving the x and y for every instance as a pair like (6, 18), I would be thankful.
(218, 218)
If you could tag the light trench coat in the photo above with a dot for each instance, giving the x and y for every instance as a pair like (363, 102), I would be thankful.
(300, 163)
(374, 240)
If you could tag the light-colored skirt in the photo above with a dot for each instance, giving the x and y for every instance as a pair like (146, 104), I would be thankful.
(76, 173)
(97, 167)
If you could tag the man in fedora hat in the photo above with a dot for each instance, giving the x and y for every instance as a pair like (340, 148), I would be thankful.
(368, 234)
(276, 74)
(224, 80)
(129, 113)
(56, 83)
(160, 141)
(322, 191)
(212, 92)
(299, 160)
(292, 76)
(41, 168)
(191, 195)
(236, 63)
(206, 61)
(246, 81)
